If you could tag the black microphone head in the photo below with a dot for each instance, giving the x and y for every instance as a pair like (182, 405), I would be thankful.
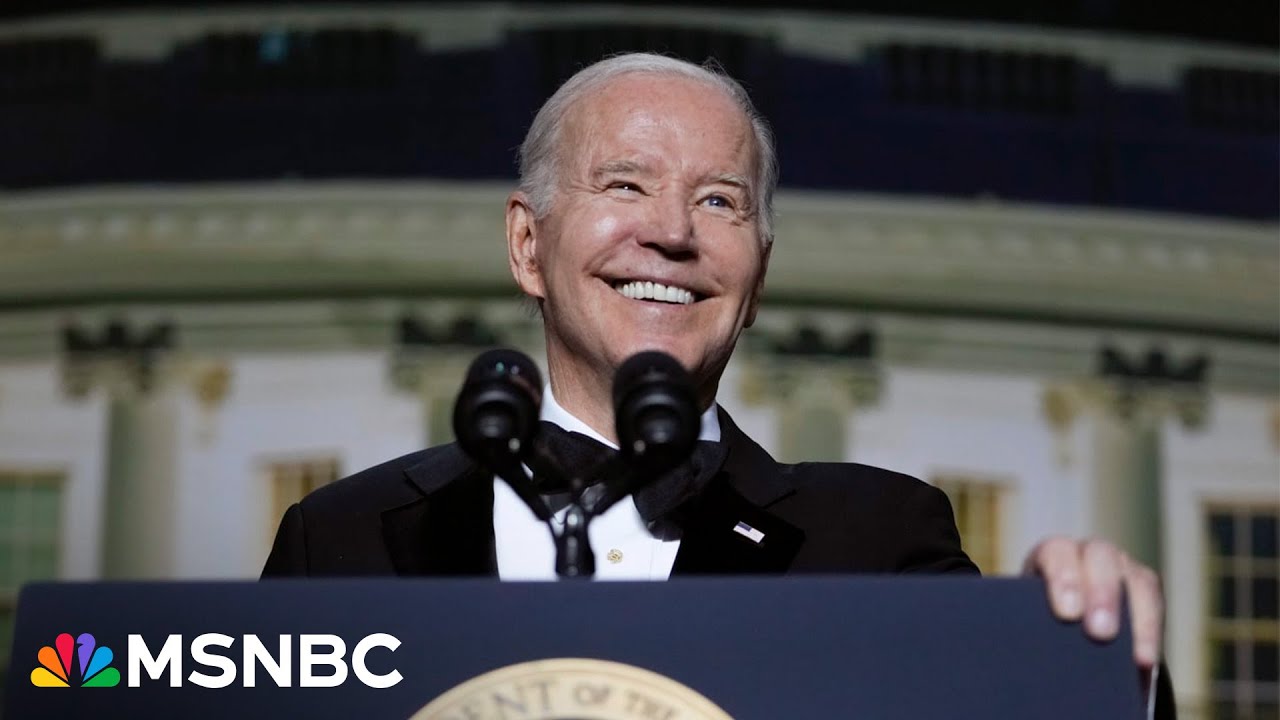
(496, 413)
(505, 362)
(655, 411)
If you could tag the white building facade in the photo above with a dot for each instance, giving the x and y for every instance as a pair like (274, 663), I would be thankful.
(1056, 371)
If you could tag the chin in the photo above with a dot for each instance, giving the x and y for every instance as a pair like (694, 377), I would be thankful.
(679, 351)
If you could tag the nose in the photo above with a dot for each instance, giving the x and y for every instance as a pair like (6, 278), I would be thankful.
(670, 229)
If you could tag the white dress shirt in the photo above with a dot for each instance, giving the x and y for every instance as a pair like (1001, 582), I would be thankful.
(624, 546)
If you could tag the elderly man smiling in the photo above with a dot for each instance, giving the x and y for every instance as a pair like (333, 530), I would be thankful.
(643, 221)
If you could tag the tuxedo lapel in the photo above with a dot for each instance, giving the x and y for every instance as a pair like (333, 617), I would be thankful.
(728, 529)
(449, 530)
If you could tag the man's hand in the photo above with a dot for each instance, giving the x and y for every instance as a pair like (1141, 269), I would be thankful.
(1084, 579)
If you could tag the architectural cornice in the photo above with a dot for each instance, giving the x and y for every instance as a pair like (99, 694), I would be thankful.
(432, 240)
(1100, 267)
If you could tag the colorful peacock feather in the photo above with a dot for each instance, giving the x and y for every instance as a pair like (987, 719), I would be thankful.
(94, 663)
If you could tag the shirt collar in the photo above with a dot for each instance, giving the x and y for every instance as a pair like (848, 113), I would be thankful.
(553, 412)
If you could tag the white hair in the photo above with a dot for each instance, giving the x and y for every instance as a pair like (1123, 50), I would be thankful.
(541, 150)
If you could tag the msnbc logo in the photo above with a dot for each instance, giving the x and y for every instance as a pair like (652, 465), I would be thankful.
(55, 665)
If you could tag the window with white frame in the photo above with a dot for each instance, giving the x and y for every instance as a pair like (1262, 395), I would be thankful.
(1243, 623)
(30, 548)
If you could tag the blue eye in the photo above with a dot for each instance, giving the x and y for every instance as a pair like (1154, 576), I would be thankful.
(719, 201)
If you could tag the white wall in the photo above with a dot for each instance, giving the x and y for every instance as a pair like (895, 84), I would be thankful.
(931, 423)
(280, 407)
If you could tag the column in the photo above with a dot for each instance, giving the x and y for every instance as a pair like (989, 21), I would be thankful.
(815, 382)
(1125, 409)
(147, 386)
(432, 363)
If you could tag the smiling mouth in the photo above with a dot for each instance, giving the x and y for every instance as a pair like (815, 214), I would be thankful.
(656, 292)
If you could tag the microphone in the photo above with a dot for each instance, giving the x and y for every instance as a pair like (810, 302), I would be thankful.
(656, 417)
(495, 418)
(657, 420)
(496, 414)
(655, 412)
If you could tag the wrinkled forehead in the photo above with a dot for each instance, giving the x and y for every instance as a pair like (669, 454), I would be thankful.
(597, 115)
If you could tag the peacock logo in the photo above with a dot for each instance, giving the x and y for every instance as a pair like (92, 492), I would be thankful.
(94, 662)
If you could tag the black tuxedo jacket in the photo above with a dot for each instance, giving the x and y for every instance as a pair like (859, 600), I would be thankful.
(431, 513)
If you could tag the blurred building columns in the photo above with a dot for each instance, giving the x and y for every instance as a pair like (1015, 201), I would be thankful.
(1124, 415)
(434, 377)
(816, 381)
(430, 360)
(149, 390)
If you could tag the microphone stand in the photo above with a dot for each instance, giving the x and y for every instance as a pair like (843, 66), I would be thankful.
(574, 555)
(493, 420)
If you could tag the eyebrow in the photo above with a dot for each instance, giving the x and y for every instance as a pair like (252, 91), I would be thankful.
(618, 167)
(729, 179)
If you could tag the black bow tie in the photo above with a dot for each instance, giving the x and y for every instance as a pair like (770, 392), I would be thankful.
(577, 453)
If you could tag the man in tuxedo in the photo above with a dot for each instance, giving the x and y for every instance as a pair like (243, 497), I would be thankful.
(643, 221)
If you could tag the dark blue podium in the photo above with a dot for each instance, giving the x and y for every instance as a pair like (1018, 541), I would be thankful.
(748, 649)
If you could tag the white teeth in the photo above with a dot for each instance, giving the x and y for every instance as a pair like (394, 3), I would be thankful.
(644, 290)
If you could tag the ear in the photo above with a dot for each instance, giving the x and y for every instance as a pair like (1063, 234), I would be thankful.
(522, 245)
(758, 291)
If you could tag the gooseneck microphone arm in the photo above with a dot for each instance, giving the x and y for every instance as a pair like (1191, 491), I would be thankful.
(574, 556)
(495, 421)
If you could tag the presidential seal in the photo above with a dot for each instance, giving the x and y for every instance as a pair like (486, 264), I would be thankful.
(571, 689)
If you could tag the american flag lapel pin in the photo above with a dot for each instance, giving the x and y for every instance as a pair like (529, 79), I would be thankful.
(748, 532)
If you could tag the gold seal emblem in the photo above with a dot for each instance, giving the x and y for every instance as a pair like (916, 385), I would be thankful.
(571, 689)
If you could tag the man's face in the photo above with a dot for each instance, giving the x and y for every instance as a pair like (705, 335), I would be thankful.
(655, 189)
